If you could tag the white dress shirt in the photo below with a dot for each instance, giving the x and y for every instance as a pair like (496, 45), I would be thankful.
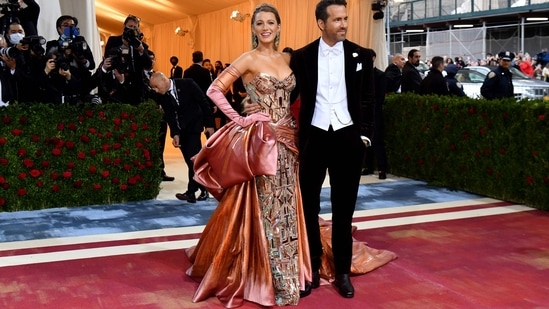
(173, 92)
(331, 94)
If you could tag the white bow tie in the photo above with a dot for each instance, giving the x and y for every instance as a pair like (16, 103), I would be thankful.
(332, 50)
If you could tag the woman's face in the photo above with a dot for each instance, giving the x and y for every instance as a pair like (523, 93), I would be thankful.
(265, 27)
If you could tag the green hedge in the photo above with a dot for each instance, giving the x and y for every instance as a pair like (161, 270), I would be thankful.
(494, 148)
(59, 155)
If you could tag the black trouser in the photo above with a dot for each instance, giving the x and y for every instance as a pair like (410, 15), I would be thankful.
(340, 153)
(190, 146)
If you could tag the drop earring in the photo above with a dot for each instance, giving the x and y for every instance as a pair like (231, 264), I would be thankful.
(277, 41)
(255, 41)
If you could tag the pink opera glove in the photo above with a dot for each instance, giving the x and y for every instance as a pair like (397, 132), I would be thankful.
(217, 91)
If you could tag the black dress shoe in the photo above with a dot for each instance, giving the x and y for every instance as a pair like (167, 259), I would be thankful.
(306, 292)
(309, 286)
(203, 196)
(168, 178)
(382, 175)
(344, 286)
(189, 197)
(366, 171)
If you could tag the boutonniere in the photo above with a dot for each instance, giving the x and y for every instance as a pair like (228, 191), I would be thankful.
(355, 55)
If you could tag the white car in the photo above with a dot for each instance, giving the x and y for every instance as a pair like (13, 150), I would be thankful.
(525, 87)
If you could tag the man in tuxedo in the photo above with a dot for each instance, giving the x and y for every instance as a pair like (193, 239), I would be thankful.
(188, 114)
(176, 71)
(331, 126)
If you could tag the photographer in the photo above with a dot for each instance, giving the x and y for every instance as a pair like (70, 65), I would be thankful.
(133, 54)
(75, 50)
(57, 81)
(28, 58)
(25, 11)
(6, 85)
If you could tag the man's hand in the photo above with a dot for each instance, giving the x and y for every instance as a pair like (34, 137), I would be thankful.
(10, 62)
(50, 66)
(175, 141)
(251, 108)
(209, 131)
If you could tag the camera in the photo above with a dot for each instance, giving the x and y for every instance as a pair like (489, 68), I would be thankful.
(119, 58)
(35, 43)
(70, 40)
(133, 36)
(8, 6)
(95, 99)
(11, 52)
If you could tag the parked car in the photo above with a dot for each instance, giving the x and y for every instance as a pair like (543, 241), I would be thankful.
(472, 78)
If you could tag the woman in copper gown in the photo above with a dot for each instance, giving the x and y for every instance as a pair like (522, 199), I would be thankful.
(254, 246)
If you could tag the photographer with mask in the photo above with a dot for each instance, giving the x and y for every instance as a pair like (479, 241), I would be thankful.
(28, 61)
(132, 53)
(72, 49)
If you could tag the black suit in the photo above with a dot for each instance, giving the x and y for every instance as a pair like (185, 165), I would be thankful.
(176, 72)
(133, 88)
(393, 76)
(340, 152)
(187, 119)
(200, 75)
(378, 143)
(411, 79)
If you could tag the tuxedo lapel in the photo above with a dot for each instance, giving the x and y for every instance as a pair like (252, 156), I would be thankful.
(311, 56)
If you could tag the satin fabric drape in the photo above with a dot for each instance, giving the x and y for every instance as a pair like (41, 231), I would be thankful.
(230, 260)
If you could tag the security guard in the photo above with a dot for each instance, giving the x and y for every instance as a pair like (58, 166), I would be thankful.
(499, 83)
(455, 87)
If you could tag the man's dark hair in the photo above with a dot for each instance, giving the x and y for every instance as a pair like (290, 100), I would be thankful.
(65, 17)
(321, 11)
(198, 56)
(412, 52)
(436, 62)
(206, 60)
(174, 57)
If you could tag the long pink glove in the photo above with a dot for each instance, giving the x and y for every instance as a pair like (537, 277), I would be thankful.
(217, 91)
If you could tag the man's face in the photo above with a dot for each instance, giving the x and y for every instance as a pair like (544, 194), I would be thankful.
(415, 58)
(66, 23)
(400, 61)
(16, 28)
(505, 63)
(207, 65)
(335, 28)
(159, 83)
(131, 24)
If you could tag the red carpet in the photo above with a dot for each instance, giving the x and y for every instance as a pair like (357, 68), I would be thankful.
(496, 261)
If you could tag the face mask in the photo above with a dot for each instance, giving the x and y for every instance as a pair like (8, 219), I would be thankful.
(15, 38)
